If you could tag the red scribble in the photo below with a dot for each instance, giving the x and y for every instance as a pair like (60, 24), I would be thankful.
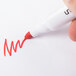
(14, 47)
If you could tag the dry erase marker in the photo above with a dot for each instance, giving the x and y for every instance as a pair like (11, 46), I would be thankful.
(54, 22)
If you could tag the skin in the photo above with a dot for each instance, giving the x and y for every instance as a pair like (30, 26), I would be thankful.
(71, 4)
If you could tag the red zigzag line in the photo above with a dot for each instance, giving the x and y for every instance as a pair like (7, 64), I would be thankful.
(12, 47)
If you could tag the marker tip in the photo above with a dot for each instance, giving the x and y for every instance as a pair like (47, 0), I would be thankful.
(28, 35)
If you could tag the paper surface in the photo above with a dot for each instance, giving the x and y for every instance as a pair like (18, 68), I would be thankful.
(53, 54)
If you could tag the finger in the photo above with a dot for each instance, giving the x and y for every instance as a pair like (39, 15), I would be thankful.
(72, 30)
(71, 4)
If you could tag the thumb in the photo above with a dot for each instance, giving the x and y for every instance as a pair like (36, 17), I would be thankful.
(72, 30)
(71, 4)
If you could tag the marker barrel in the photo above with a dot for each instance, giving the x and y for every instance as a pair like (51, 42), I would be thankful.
(54, 22)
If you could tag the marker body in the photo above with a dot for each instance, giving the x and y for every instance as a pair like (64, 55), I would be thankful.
(54, 22)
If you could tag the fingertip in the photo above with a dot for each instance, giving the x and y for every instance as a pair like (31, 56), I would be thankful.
(71, 4)
(72, 30)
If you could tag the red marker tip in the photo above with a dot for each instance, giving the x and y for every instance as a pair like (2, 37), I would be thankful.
(28, 35)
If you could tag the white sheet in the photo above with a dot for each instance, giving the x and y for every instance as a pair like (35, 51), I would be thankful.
(53, 54)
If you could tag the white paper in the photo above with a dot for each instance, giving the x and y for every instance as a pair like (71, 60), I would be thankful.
(52, 54)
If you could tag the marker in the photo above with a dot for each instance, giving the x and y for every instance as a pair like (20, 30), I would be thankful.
(54, 22)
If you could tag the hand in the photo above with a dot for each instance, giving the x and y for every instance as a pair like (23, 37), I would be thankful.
(72, 30)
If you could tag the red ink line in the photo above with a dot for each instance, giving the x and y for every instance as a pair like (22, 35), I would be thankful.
(12, 47)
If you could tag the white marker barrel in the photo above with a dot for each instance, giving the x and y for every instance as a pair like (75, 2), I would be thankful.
(54, 22)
